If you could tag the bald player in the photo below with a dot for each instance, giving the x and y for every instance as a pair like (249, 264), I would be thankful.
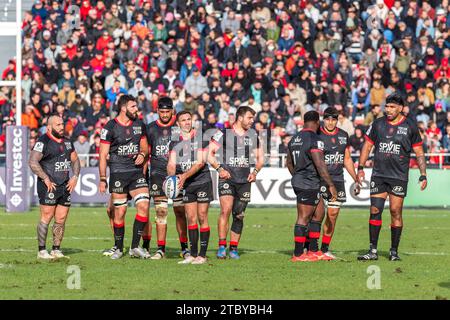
(51, 159)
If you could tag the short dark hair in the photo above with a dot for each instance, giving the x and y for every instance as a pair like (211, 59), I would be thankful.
(183, 112)
(331, 112)
(311, 116)
(396, 98)
(241, 111)
(165, 103)
(123, 100)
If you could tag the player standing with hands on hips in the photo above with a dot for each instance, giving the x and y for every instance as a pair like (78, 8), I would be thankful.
(51, 159)
(305, 161)
(124, 140)
(239, 149)
(394, 137)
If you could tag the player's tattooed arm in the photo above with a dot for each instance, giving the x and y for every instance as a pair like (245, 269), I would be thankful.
(421, 161)
(35, 157)
(76, 166)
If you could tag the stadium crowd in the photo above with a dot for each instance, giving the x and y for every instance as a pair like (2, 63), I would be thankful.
(282, 58)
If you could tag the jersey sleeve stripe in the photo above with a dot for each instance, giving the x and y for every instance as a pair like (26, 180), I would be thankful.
(418, 144)
(368, 139)
(316, 150)
(105, 142)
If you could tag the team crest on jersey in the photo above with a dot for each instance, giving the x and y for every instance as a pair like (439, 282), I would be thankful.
(320, 145)
(39, 146)
(103, 134)
(137, 130)
(342, 140)
(68, 145)
(402, 130)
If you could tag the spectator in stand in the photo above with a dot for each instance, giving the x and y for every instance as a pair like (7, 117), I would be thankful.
(82, 147)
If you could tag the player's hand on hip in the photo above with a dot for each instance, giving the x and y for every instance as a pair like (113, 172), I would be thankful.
(423, 182)
(333, 192)
(251, 177)
(357, 188)
(224, 174)
(50, 185)
(72, 183)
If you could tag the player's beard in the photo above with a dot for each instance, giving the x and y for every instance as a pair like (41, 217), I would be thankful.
(56, 134)
(131, 116)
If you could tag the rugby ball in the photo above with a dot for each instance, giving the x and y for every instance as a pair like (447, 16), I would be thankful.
(171, 188)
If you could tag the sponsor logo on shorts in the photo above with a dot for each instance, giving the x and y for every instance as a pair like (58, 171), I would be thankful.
(141, 180)
(226, 186)
(69, 199)
(154, 187)
(51, 195)
(117, 184)
(201, 194)
(246, 195)
(117, 190)
(323, 189)
(397, 189)
(341, 194)
(372, 184)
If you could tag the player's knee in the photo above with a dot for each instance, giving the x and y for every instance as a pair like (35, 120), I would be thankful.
(396, 212)
(239, 207)
(238, 216)
(334, 205)
(118, 203)
(161, 211)
(377, 205)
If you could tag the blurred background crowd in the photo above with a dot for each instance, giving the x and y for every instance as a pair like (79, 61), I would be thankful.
(282, 58)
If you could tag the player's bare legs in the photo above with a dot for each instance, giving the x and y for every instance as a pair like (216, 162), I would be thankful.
(141, 199)
(61, 213)
(47, 214)
(226, 206)
(304, 214)
(110, 213)
(329, 226)
(192, 218)
(396, 208)
(181, 225)
(162, 211)
(376, 209)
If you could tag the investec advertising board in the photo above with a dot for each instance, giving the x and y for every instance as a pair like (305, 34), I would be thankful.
(17, 193)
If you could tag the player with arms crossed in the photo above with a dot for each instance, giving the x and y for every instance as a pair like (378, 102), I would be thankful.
(189, 154)
(158, 135)
(240, 148)
(51, 160)
(337, 156)
(124, 139)
(305, 161)
(394, 137)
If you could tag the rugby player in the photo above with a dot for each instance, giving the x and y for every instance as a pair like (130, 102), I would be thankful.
(305, 161)
(124, 140)
(51, 159)
(241, 149)
(189, 154)
(394, 136)
(158, 135)
(337, 156)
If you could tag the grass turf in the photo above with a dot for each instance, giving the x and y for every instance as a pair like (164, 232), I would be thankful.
(263, 272)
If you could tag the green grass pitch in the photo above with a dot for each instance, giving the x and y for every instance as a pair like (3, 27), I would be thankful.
(263, 272)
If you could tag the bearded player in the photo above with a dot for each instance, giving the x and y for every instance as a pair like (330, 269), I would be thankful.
(305, 161)
(337, 156)
(51, 159)
(159, 134)
(124, 140)
(189, 154)
(394, 137)
(239, 149)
